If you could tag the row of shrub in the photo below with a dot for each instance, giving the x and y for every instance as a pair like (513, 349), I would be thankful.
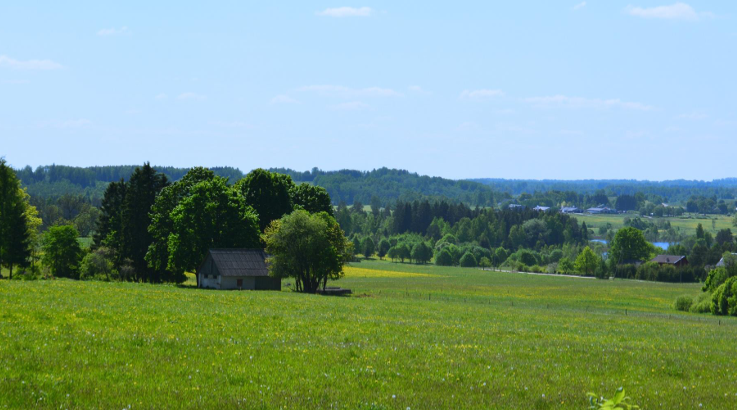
(652, 271)
(701, 304)
(719, 295)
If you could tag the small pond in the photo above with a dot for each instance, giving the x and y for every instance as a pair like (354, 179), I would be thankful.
(664, 245)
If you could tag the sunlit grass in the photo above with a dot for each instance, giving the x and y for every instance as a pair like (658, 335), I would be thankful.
(454, 338)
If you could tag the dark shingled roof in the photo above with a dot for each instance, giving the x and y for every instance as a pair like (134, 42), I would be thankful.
(240, 262)
(672, 259)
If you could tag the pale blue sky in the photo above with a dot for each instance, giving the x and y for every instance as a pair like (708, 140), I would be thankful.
(546, 89)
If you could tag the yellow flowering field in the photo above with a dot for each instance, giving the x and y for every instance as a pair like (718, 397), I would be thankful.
(355, 272)
(455, 339)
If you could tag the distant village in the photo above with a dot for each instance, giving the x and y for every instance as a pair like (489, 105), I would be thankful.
(601, 209)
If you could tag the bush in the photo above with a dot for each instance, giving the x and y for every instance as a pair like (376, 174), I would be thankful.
(98, 265)
(565, 265)
(555, 255)
(536, 269)
(715, 278)
(485, 262)
(521, 267)
(526, 257)
(683, 303)
(468, 260)
(702, 304)
(628, 271)
(444, 258)
(724, 300)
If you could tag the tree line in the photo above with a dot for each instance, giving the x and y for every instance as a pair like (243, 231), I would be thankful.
(152, 229)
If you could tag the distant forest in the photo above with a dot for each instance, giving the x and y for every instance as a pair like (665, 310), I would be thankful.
(74, 194)
(349, 186)
(675, 190)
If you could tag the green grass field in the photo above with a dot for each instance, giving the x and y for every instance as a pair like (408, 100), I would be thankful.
(415, 337)
(687, 223)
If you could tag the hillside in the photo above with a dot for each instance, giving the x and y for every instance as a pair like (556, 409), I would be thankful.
(676, 190)
(387, 185)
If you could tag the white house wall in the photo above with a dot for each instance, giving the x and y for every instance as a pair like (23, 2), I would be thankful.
(210, 283)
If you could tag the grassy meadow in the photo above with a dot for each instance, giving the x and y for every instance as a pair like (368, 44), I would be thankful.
(416, 337)
(686, 223)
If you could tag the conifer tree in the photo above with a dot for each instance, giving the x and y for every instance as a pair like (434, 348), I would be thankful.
(15, 244)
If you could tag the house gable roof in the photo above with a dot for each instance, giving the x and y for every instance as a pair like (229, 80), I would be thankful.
(671, 259)
(239, 262)
(721, 263)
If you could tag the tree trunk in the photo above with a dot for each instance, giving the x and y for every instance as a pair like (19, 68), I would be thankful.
(10, 276)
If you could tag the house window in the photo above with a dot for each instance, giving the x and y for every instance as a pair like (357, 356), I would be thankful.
(240, 283)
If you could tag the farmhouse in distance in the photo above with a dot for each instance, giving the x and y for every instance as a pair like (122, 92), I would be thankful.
(242, 269)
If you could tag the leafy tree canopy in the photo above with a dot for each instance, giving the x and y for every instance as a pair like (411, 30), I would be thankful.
(311, 248)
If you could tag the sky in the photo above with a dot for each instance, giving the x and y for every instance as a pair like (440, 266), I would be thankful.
(635, 89)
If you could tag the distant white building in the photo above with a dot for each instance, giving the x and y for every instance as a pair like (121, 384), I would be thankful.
(722, 264)
(599, 210)
(541, 208)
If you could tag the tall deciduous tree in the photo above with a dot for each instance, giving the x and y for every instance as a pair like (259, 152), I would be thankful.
(62, 252)
(629, 245)
(311, 198)
(311, 248)
(268, 193)
(587, 262)
(368, 247)
(421, 253)
(162, 225)
(213, 215)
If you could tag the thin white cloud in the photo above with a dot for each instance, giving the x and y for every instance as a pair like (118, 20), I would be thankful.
(350, 106)
(480, 94)
(283, 99)
(7, 62)
(16, 82)
(693, 116)
(346, 12)
(347, 91)
(418, 89)
(161, 96)
(580, 102)
(579, 6)
(190, 96)
(112, 31)
(677, 11)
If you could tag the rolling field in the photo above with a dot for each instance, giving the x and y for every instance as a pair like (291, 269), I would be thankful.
(415, 337)
(686, 223)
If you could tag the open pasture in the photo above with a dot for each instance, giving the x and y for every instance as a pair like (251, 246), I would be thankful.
(415, 337)
(687, 223)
